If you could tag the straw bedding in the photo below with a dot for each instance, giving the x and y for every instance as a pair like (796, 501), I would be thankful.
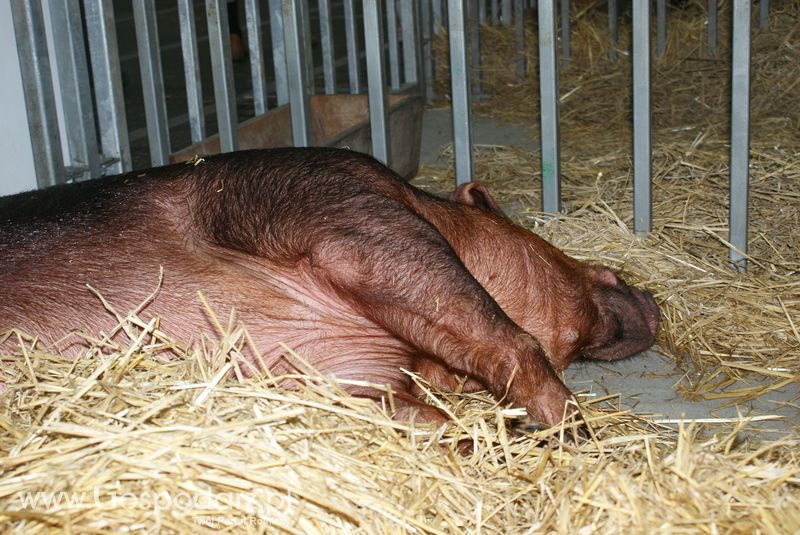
(126, 439)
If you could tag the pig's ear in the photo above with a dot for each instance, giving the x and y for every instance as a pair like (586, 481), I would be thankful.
(474, 194)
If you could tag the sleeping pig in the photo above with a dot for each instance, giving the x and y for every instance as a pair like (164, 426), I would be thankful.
(331, 253)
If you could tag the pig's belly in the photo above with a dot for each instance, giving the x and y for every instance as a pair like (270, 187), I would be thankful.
(279, 310)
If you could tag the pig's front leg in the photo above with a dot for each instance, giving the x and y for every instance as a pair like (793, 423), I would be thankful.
(397, 270)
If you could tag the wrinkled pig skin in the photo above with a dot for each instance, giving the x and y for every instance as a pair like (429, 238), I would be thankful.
(331, 253)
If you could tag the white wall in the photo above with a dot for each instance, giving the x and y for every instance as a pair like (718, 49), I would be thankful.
(16, 153)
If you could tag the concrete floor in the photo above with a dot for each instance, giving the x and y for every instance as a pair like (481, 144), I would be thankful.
(646, 383)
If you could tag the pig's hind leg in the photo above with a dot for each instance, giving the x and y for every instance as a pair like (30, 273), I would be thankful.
(398, 271)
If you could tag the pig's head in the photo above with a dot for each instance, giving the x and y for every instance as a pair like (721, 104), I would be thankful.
(627, 319)
(572, 308)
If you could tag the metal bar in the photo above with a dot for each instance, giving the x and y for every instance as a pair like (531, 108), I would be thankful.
(113, 127)
(311, 81)
(506, 12)
(278, 51)
(661, 28)
(519, 23)
(763, 14)
(474, 49)
(566, 49)
(39, 98)
(438, 19)
(548, 95)
(394, 56)
(219, 40)
(459, 82)
(495, 11)
(155, 106)
(66, 29)
(409, 30)
(613, 28)
(191, 71)
(326, 40)
(481, 11)
(376, 81)
(642, 220)
(252, 10)
(351, 33)
(296, 70)
(712, 27)
(426, 19)
(740, 133)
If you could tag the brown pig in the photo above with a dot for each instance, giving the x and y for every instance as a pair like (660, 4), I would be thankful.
(331, 253)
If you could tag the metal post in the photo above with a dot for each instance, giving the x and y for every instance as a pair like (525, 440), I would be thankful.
(66, 29)
(548, 94)
(566, 49)
(307, 48)
(426, 17)
(351, 32)
(39, 97)
(506, 13)
(106, 73)
(613, 28)
(495, 11)
(763, 14)
(376, 81)
(296, 70)
(408, 27)
(712, 27)
(459, 65)
(642, 220)
(740, 133)
(661, 28)
(278, 51)
(394, 57)
(520, 34)
(438, 20)
(252, 9)
(191, 71)
(481, 11)
(326, 40)
(155, 106)
(219, 40)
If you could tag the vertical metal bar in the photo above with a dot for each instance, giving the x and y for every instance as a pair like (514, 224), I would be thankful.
(278, 51)
(39, 97)
(103, 50)
(661, 28)
(326, 40)
(495, 11)
(219, 40)
(296, 70)
(613, 28)
(66, 29)
(155, 106)
(376, 81)
(311, 81)
(763, 14)
(519, 23)
(252, 10)
(740, 133)
(191, 70)
(548, 95)
(351, 33)
(408, 27)
(394, 56)
(481, 11)
(459, 65)
(642, 220)
(474, 49)
(506, 12)
(438, 20)
(566, 49)
(712, 27)
(426, 19)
